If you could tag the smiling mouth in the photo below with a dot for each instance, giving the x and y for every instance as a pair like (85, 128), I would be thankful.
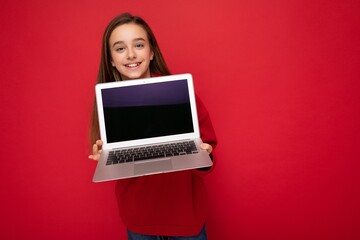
(132, 65)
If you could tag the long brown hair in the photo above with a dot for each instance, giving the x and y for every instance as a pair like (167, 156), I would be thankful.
(108, 73)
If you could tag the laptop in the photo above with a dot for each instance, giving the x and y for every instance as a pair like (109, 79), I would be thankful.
(148, 126)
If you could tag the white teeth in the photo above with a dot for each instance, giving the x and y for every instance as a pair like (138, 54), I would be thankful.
(132, 65)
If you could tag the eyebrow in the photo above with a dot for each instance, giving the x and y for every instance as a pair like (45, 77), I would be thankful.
(134, 40)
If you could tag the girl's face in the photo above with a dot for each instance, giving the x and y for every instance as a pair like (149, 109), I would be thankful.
(130, 51)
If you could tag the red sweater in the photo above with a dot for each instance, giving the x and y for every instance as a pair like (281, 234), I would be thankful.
(169, 204)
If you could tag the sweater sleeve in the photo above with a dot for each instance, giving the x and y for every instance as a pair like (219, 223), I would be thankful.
(207, 132)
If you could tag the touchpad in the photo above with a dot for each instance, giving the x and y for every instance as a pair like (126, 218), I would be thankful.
(152, 167)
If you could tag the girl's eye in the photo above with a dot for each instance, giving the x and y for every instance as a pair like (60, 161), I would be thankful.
(139, 45)
(119, 49)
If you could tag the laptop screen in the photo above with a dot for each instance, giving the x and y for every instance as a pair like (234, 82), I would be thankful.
(146, 111)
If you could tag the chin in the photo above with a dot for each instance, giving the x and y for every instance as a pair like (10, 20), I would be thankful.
(136, 76)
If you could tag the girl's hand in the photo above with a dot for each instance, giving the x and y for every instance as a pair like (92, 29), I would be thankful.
(96, 150)
(206, 147)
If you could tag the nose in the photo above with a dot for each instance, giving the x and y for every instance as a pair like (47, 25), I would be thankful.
(131, 54)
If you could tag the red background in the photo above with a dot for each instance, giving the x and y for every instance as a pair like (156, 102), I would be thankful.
(280, 79)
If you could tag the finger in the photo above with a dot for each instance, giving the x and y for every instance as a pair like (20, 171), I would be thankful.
(206, 147)
(99, 143)
(95, 149)
(95, 156)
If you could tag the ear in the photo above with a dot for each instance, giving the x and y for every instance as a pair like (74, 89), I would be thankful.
(152, 56)
(112, 63)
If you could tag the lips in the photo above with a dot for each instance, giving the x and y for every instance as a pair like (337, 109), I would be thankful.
(132, 65)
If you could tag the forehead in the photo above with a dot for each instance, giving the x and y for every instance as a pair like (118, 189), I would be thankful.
(127, 33)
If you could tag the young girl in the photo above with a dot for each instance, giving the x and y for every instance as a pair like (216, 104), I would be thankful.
(170, 204)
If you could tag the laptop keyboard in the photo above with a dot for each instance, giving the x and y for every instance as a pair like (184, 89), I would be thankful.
(151, 152)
